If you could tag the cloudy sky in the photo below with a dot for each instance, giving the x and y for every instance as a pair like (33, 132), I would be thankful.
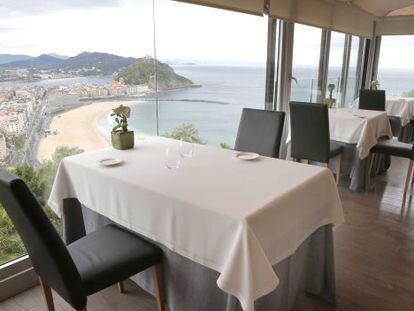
(183, 31)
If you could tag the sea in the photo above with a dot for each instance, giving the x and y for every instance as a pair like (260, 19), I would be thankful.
(215, 107)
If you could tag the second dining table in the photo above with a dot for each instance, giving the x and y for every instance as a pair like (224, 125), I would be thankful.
(358, 131)
(228, 227)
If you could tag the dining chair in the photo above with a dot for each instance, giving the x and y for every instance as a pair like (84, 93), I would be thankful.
(260, 131)
(372, 100)
(395, 148)
(84, 267)
(309, 126)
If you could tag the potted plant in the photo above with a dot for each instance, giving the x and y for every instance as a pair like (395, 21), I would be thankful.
(121, 138)
(330, 101)
(374, 85)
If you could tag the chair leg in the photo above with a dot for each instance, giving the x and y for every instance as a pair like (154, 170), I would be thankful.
(47, 294)
(338, 168)
(158, 286)
(121, 287)
(407, 179)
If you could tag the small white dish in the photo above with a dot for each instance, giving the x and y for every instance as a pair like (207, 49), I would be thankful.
(110, 162)
(247, 156)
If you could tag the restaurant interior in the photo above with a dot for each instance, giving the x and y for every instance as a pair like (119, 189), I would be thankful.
(310, 209)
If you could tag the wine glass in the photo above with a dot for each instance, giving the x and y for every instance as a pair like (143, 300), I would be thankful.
(186, 148)
(172, 159)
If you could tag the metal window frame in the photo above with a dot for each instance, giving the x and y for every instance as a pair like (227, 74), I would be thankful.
(272, 40)
(345, 69)
(17, 276)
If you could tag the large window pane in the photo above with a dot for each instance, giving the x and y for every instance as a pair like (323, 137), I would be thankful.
(306, 53)
(67, 67)
(352, 72)
(223, 54)
(336, 55)
(396, 66)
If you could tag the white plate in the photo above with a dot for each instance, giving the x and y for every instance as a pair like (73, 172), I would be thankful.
(110, 162)
(247, 156)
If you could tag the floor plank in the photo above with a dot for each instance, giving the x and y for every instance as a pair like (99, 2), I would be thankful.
(374, 254)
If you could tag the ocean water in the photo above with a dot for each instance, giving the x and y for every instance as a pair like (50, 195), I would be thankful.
(232, 86)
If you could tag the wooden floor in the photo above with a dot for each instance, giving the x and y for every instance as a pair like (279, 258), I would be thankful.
(374, 253)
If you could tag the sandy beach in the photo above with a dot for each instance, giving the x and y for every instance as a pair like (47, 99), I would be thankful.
(76, 128)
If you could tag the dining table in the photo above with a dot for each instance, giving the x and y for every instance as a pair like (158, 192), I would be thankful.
(358, 131)
(253, 234)
(401, 111)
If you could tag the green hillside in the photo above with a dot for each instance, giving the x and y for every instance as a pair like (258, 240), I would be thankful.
(142, 72)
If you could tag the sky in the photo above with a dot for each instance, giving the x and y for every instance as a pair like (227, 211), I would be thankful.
(183, 32)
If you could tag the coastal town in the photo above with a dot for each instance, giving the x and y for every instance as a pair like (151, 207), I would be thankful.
(25, 112)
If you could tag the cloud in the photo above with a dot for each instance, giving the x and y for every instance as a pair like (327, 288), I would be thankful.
(23, 7)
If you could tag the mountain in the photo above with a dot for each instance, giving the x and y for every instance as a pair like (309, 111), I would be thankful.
(97, 63)
(8, 58)
(83, 64)
(142, 72)
(58, 56)
(43, 61)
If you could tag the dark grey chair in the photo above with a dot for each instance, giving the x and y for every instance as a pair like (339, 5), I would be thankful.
(395, 148)
(260, 131)
(372, 100)
(309, 126)
(84, 267)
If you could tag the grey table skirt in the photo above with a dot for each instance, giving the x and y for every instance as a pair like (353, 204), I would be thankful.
(403, 133)
(359, 173)
(190, 286)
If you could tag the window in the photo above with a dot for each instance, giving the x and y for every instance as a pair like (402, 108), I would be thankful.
(352, 72)
(336, 55)
(223, 54)
(306, 53)
(58, 84)
(396, 66)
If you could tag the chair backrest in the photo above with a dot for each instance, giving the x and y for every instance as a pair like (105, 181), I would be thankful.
(50, 258)
(309, 128)
(372, 100)
(260, 131)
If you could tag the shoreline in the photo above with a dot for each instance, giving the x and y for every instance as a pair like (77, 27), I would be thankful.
(78, 128)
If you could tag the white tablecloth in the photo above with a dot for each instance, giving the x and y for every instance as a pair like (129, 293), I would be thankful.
(360, 127)
(356, 126)
(402, 108)
(236, 217)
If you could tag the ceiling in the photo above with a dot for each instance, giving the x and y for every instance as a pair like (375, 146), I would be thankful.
(384, 8)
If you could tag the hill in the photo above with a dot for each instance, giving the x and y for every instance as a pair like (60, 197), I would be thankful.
(83, 64)
(142, 72)
(8, 58)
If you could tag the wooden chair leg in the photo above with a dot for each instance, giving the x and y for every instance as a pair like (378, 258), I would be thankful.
(407, 179)
(47, 294)
(121, 287)
(158, 286)
(338, 168)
